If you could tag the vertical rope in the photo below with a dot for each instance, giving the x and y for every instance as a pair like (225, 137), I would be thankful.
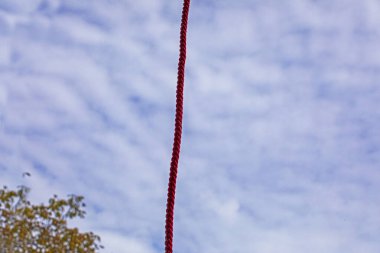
(177, 131)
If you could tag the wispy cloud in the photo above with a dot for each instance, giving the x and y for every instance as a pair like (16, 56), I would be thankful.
(280, 145)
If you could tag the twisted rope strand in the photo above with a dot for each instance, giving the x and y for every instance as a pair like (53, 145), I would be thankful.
(177, 131)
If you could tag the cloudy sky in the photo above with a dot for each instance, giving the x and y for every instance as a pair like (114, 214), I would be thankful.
(280, 150)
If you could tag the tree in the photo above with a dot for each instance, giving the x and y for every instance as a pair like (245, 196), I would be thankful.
(27, 228)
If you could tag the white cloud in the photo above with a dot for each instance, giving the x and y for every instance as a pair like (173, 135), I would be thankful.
(3, 97)
(122, 244)
(280, 146)
(20, 7)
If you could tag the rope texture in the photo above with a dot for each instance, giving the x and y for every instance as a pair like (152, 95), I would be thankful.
(177, 131)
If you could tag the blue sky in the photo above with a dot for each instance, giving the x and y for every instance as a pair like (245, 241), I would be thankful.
(280, 148)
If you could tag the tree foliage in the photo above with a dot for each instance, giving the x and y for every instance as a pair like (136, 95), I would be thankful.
(42, 228)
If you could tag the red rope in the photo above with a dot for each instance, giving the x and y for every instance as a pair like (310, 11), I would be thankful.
(177, 131)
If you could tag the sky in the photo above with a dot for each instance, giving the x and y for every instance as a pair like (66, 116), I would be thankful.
(280, 151)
